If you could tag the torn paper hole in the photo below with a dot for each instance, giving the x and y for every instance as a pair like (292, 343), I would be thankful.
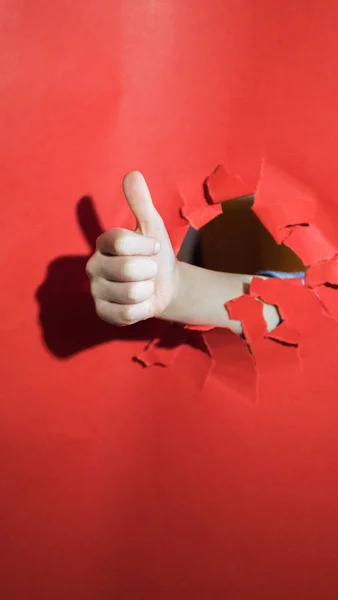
(295, 218)
(201, 202)
(222, 185)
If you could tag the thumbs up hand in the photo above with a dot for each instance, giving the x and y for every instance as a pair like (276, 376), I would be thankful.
(133, 273)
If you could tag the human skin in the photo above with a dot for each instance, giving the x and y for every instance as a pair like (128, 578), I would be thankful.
(135, 275)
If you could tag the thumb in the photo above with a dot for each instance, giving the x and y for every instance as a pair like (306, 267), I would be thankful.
(137, 194)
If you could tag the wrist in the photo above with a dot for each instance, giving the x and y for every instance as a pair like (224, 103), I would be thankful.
(171, 311)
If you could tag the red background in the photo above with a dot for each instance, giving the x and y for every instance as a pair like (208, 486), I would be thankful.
(118, 482)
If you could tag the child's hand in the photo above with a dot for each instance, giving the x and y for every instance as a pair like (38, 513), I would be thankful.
(133, 274)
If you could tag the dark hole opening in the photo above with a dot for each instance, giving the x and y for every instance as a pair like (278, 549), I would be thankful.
(237, 242)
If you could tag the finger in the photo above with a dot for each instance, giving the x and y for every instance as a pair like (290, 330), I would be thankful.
(122, 293)
(138, 196)
(117, 314)
(122, 242)
(123, 269)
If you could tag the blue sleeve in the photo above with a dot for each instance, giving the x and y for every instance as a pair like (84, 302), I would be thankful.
(282, 274)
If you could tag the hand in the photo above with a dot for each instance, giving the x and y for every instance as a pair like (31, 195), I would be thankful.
(133, 273)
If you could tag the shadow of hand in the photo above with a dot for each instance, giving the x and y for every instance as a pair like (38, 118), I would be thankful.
(67, 314)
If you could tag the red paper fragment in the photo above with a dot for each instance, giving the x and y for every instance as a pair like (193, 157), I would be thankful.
(164, 350)
(199, 327)
(310, 244)
(292, 213)
(192, 196)
(231, 365)
(285, 334)
(155, 354)
(222, 186)
(281, 202)
(323, 272)
(249, 311)
(329, 299)
(199, 217)
(194, 205)
(304, 311)
(267, 356)
(298, 305)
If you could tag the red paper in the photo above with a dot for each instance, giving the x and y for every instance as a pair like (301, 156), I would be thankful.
(323, 272)
(200, 217)
(223, 185)
(165, 349)
(195, 208)
(119, 482)
(328, 297)
(293, 214)
(231, 368)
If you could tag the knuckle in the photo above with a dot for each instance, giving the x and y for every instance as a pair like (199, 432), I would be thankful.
(104, 313)
(90, 267)
(119, 242)
(112, 242)
(132, 293)
(149, 288)
(127, 269)
(93, 265)
(107, 269)
(127, 316)
(100, 310)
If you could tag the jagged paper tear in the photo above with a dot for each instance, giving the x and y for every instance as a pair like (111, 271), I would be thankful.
(295, 216)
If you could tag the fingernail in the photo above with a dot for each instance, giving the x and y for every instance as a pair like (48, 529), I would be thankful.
(157, 247)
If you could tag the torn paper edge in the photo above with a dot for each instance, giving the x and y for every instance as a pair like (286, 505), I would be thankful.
(199, 211)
